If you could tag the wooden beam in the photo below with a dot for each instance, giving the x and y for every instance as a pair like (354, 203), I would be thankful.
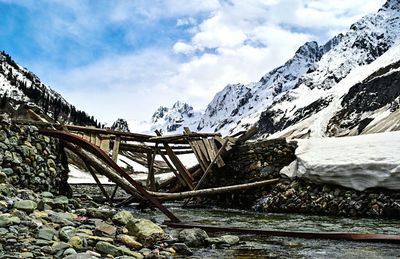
(170, 166)
(150, 179)
(187, 177)
(220, 162)
(211, 191)
(196, 150)
(210, 165)
(91, 171)
(105, 144)
(116, 148)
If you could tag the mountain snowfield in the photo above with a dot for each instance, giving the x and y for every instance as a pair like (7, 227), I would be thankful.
(307, 95)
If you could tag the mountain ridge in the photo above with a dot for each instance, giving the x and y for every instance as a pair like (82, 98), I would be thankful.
(275, 102)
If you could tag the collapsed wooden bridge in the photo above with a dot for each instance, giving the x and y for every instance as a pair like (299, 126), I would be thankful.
(99, 150)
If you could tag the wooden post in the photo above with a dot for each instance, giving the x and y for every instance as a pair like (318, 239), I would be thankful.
(105, 143)
(151, 183)
(117, 140)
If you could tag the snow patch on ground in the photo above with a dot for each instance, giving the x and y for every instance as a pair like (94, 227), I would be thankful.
(357, 162)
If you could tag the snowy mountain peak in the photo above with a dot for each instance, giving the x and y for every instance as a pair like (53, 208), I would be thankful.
(159, 114)
(170, 119)
(183, 108)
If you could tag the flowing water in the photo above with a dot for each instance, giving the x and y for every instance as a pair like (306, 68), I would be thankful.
(252, 246)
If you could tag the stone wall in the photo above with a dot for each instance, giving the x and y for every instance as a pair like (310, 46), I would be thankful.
(30, 160)
(251, 162)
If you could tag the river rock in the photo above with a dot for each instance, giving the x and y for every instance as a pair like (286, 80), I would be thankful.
(182, 249)
(224, 240)
(146, 231)
(104, 229)
(81, 256)
(60, 202)
(99, 213)
(194, 237)
(69, 251)
(3, 177)
(46, 233)
(76, 242)
(7, 220)
(107, 248)
(122, 217)
(25, 205)
(66, 233)
(59, 247)
(129, 241)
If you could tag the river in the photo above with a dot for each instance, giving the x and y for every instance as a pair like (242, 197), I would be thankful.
(277, 247)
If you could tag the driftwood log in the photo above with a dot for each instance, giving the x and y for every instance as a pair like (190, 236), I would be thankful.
(211, 191)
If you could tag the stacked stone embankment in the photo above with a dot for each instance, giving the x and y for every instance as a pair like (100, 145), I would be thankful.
(262, 160)
(31, 160)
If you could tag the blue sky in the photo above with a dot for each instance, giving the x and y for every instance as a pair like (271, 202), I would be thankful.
(125, 58)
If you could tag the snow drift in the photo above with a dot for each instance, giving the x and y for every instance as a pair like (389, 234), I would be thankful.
(358, 162)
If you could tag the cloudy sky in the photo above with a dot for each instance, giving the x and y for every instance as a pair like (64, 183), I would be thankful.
(125, 58)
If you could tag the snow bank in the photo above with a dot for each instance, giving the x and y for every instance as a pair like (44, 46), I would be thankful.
(358, 162)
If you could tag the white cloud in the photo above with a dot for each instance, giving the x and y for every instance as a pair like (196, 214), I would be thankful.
(182, 47)
(232, 41)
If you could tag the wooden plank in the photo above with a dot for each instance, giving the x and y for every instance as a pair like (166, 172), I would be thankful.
(196, 150)
(220, 161)
(170, 166)
(208, 170)
(199, 155)
(115, 151)
(105, 144)
(187, 177)
(210, 151)
(97, 140)
(222, 140)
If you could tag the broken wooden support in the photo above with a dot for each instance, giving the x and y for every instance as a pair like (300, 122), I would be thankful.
(150, 179)
(248, 135)
(187, 177)
(134, 186)
(208, 170)
(211, 191)
(96, 179)
(170, 166)
(104, 170)
(219, 153)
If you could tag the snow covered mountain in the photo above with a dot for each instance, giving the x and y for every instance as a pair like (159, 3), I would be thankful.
(311, 81)
(20, 88)
(172, 119)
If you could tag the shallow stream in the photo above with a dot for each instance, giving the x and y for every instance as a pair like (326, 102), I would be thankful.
(278, 247)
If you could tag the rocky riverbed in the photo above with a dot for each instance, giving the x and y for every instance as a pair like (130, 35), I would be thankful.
(42, 225)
